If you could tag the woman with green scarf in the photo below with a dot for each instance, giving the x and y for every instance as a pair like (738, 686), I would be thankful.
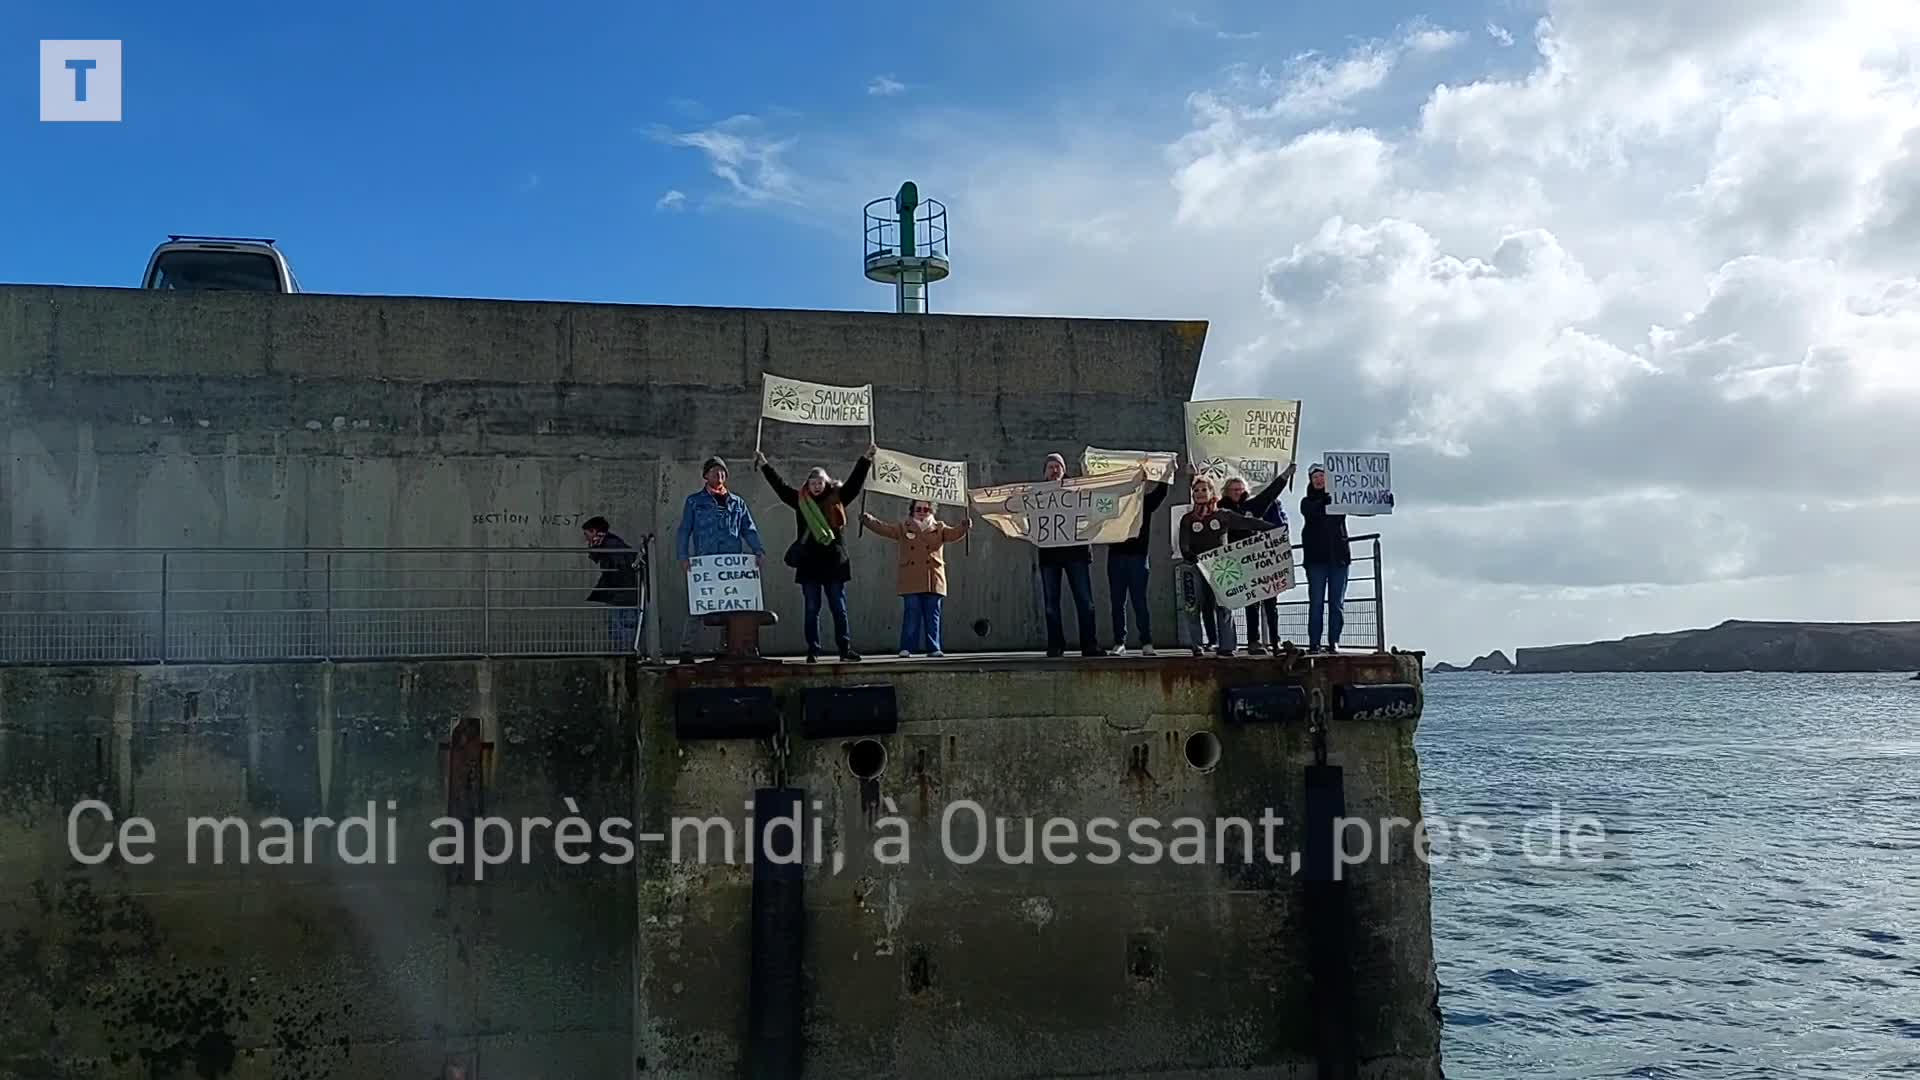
(819, 554)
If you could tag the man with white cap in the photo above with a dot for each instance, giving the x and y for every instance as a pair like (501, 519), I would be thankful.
(1076, 563)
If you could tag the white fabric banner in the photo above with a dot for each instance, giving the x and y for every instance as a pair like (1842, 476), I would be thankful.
(910, 477)
(1159, 464)
(1076, 510)
(1251, 438)
(797, 402)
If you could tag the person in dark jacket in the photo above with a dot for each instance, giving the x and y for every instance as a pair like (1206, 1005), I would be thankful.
(1076, 563)
(1327, 556)
(1127, 574)
(818, 554)
(1202, 529)
(619, 584)
(1235, 498)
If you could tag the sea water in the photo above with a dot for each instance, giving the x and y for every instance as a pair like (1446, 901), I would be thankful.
(1735, 891)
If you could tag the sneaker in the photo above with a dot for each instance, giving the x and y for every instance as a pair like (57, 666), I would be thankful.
(1055, 654)
(936, 652)
(849, 655)
(1256, 649)
(905, 653)
(1146, 650)
(813, 656)
(1198, 651)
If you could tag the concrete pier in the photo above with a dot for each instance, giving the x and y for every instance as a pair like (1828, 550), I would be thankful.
(569, 964)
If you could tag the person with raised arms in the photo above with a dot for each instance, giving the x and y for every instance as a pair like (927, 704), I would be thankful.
(922, 572)
(818, 554)
(1236, 499)
(1204, 528)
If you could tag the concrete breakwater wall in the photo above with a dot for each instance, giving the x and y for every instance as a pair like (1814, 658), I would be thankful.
(577, 962)
(135, 418)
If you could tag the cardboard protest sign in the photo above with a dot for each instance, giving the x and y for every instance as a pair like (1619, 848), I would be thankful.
(723, 583)
(1225, 435)
(910, 477)
(1103, 509)
(1359, 483)
(1251, 570)
(1159, 464)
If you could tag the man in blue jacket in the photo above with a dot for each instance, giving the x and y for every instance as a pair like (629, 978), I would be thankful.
(714, 521)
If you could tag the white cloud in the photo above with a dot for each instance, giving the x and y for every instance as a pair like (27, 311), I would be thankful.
(672, 200)
(751, 163)
(1637, 323)
(1500, 34)
(885, 86)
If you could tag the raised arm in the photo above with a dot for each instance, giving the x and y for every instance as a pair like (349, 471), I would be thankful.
(885, 528)
(950, 533)
(1257, 505)
(787, 495)
(1237, 520)
(1156, 494)
(850, 490)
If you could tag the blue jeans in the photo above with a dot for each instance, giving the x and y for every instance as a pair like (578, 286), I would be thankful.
(1080, 579)
(837, 603)
(1127, 580)
(920, 621)
(1326, 585)
(622, 623)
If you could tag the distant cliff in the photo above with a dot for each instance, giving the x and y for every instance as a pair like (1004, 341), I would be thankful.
(1741, 646)
(1495, 661)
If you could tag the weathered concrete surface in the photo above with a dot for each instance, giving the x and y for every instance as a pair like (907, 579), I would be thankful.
(192, 968)
(996, 969)
(220, 420)
(559, 970)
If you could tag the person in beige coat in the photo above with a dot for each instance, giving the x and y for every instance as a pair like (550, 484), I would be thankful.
(922, 571)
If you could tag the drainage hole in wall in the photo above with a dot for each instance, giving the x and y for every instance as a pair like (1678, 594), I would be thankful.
(867, 758)
(1203, 750)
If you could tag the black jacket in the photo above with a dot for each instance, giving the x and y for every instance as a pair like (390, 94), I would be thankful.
(1323, 536)
(1201, 533)
(1141, 542)
(1254, 505)
(619, 582)
(821, 564)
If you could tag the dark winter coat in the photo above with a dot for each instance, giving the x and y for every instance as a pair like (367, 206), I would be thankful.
(1323, 536)
(619, 582)
(1141, 541)
(1203, 532)
(821, 564)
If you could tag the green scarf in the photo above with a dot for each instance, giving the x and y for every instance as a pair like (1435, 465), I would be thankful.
(816, 521)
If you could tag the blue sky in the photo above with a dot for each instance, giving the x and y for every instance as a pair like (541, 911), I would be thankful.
(515, 150)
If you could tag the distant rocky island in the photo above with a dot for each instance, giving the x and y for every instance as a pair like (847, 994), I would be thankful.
(1733, 645)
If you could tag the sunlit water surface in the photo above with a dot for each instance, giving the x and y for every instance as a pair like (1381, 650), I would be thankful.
(1752, 909)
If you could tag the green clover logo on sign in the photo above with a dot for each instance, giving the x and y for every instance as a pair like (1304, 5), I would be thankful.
(1106, 504)
(1211, 422)
(1228, 575)
(786, 398)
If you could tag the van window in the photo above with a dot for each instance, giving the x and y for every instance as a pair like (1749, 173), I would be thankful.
(235, 270)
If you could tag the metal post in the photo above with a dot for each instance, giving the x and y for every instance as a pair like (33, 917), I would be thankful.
(486, 604)
(650, 616)
(1379, 600)
(326, 643)
(163, 607)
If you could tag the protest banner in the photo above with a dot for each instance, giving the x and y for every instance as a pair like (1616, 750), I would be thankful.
(1359, 483)
(1159, 464)
(1251, 570)
(723, 583)
(1075, 510)
(795, 402)
(910, 477)
(1224, 435)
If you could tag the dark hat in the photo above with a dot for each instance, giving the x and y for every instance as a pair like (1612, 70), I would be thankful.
(713, 463)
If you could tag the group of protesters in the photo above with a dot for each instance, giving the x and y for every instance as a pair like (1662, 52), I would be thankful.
(716, 520)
